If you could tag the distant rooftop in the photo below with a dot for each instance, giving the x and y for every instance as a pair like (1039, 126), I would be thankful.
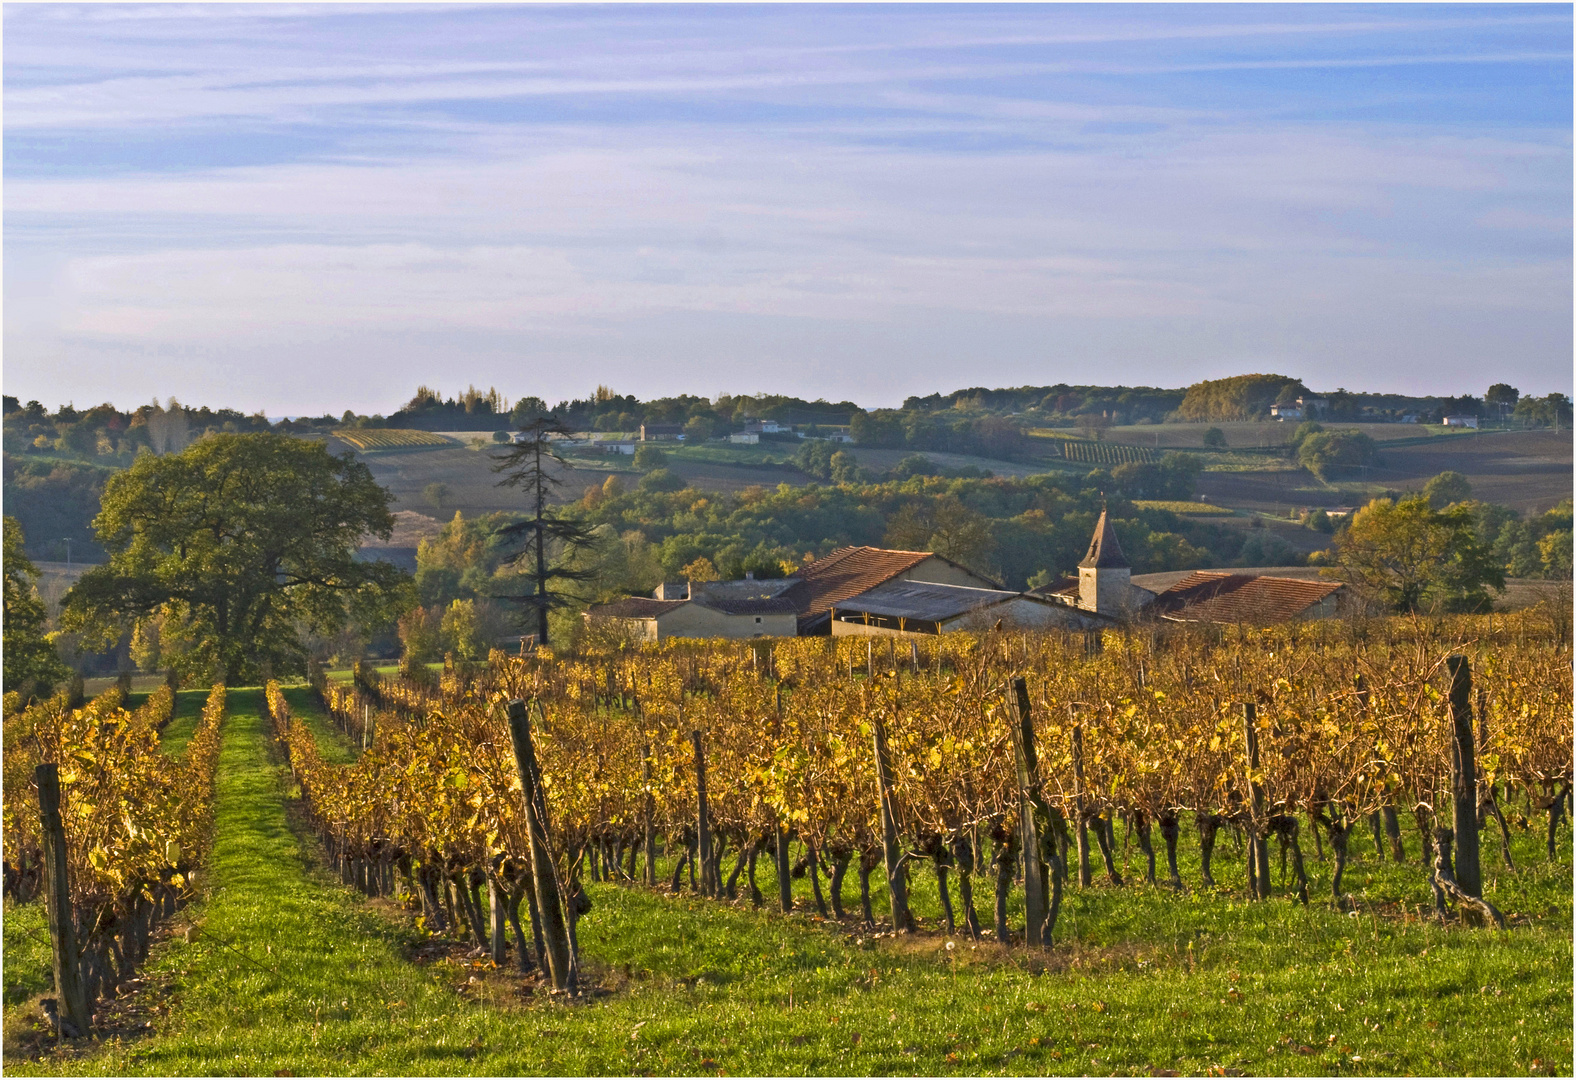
(1217, 596)
(923, 600)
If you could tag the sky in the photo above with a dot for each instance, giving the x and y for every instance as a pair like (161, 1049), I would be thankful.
(308, 208)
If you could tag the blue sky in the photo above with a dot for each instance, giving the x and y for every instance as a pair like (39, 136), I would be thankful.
(294, 208)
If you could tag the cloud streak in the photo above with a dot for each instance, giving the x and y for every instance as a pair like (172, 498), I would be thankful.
(276, 203)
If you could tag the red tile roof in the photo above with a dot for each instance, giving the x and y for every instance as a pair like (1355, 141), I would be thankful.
(1216, 596)
(636, 607)
(1062, 586)
(850, 571)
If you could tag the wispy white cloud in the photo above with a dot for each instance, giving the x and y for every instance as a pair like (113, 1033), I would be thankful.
(873, 204)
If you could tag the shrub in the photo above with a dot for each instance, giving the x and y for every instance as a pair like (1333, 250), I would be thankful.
(662, 480)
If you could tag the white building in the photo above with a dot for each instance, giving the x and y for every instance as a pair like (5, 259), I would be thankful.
(1461, 421)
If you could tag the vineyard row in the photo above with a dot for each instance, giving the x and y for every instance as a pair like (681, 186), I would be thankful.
(107, 827)
(979, 756)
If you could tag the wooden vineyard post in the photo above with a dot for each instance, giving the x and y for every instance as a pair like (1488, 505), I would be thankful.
(1023, 753)
(702, 818)
(784, 868)
(1258, 845)
(648, 817)
(549, 899)
(1463, 778)
(497, 921)
(1084, 877)
(57, 901)
(897, 887)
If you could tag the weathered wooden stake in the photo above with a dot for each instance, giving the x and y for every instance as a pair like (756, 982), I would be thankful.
(549, 898)
(648, 818)
(702, 817)
(784, 869)
(57, 902)
(1258, 844)
(897, 887)
(498, 917)
(1023, 753)
(1085, 877)
(1469, 877)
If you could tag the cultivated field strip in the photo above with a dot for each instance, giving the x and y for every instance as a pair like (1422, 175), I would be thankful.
(724, 753)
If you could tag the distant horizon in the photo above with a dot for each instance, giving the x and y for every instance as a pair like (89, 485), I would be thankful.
(285, 205)
(449, 394)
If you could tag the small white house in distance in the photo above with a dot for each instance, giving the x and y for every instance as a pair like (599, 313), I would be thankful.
(1461, 421)
(1286, 412)
(749, 438)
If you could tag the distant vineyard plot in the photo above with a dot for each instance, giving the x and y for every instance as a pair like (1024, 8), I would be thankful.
(1177, 506)
(391, 440)
(1103, 453)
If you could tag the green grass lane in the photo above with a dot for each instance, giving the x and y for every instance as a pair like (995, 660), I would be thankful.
(183, 724)
(292, 971)
(335, 746)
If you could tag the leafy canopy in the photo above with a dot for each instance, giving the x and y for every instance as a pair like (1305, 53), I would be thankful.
(30, 660)
(1415, 558)
(246, 541)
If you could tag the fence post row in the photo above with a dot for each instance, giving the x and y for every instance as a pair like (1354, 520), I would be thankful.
(549, 899)
(57, 901)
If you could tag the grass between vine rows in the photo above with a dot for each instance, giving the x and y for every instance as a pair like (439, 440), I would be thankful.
(291, 972)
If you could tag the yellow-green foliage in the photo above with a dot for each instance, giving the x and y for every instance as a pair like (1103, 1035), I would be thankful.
(1241, 397)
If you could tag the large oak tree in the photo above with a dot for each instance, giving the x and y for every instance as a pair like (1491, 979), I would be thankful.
(247, 542)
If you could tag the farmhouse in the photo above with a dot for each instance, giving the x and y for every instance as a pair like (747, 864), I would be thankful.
(850, 571)
(1460, 421)
(910, 608)
(1217, 596)
(661, 432)
(727, 609)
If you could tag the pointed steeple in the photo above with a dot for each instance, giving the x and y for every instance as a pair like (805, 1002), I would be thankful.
(1104, 551)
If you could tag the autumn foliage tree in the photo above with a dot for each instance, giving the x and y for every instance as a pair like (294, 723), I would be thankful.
(1412, 557)
(245, 541)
